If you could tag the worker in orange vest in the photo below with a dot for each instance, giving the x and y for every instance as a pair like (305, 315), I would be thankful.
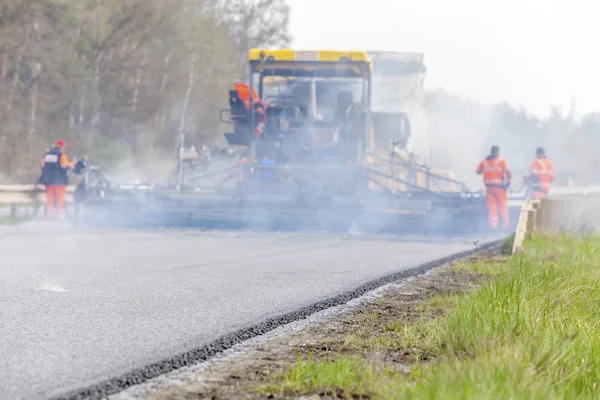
(258, 107)
(496, 178)
(243, 90)
(55, 165)
(541, 175)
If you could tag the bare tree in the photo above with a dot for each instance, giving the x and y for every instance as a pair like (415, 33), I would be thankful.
(255, 23)
(110, 76)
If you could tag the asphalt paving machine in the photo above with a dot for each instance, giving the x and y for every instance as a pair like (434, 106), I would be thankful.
(324, 157)
(325, 154)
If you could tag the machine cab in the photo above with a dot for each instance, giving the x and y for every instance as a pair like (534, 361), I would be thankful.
(313, 102)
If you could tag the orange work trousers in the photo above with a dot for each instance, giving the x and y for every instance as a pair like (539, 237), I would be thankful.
(497, 198)
(55, 201)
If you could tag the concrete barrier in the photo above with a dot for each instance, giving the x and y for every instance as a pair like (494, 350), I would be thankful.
(575, 216)
(578, 215)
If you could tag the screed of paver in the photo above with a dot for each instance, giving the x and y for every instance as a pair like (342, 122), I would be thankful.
(236, 377)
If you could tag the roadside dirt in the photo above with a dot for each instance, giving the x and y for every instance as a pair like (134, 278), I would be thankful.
(360, 331)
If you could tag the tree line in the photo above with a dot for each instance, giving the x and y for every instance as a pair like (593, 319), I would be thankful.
(462, 130)
(120, 78)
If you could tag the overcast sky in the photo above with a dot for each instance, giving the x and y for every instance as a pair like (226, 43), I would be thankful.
(530, 52)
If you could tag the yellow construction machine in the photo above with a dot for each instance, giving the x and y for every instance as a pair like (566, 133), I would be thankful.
(327, 154)
(324, 150)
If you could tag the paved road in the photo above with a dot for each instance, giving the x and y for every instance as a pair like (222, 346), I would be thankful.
(80, 307)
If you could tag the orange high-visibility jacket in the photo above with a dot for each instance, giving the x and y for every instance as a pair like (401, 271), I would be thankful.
(244, 92)
(495, 171)
(543, 169)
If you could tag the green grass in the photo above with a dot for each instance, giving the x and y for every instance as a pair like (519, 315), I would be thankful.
(532, 332)
(347, 375)
(440, 301)
(484, 268)
(507, 244)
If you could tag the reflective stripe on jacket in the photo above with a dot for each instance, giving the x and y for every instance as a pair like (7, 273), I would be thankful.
(541, 174)
(494, 171)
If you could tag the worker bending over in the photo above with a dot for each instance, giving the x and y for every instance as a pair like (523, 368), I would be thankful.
(244, 91)
(541, 175)
(258, 107)
(55, 165)
(496, 178)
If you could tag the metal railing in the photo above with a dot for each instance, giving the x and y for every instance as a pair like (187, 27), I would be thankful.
(33, 197)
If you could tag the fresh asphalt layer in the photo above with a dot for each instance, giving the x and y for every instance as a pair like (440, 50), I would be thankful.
(81, 307)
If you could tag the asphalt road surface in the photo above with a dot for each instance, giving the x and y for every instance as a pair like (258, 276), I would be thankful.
(81, 307)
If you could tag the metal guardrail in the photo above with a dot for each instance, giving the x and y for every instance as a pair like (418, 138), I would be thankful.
(562, 191)
(27, 194)
(13, 197)
(32, 196)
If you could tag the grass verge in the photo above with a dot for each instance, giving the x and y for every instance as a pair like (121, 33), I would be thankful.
(532, 330)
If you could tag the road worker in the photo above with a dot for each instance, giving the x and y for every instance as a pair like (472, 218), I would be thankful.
(55, 165)
(496, 178)
(258, 107)
(243, 90)
(541, 175)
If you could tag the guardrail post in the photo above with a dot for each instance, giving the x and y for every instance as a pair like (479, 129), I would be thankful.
(13, 211)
